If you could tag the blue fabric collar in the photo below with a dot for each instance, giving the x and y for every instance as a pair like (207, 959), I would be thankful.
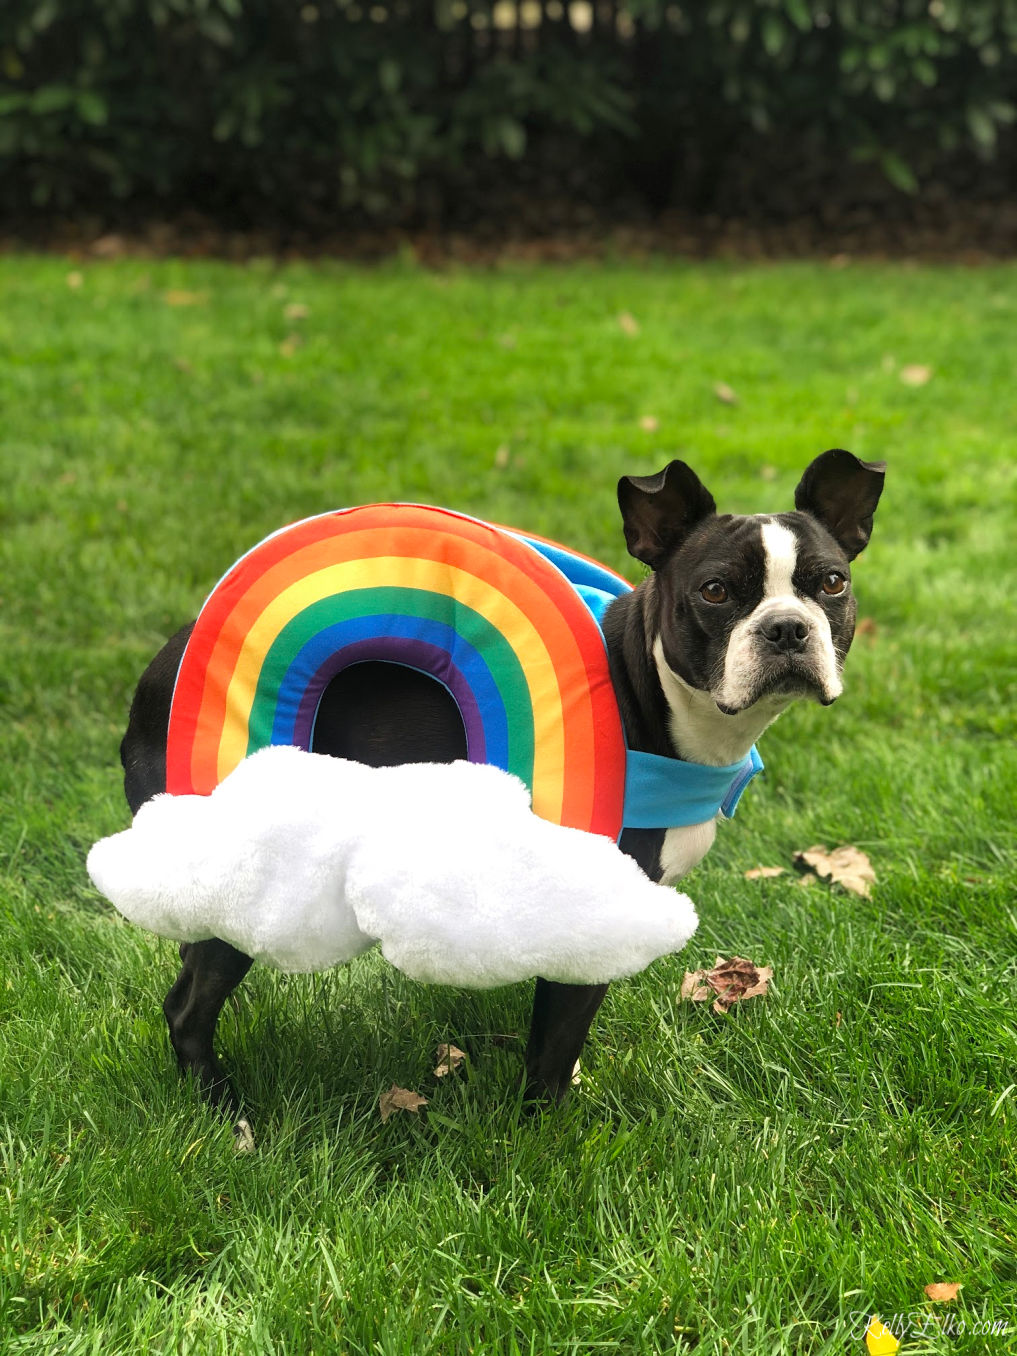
(668, 792)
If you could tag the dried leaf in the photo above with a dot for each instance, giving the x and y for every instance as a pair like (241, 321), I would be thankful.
(943, 1291)
(649, 423)
(296, 310)
(764, 872)
(501, 457)
(727, 983)
(577, 1074)
(449, 1059)
(867, 627)
(725, 393)
(177, 296)
(399, 1099)
(767, 473)
(693, 986)
(628, 323)
(845, 866)
(243, 1138)
(915, 374)
(75, 280)
(290, 345)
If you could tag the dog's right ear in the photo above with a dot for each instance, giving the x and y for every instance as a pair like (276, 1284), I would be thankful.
(660, 511)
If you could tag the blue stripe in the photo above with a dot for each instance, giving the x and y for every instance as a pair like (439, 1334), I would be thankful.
(329, 641)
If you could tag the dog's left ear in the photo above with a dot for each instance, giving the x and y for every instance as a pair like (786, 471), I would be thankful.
(842, 492)
(660, 511)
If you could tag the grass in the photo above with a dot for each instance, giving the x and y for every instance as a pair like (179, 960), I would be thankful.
(745, 1185)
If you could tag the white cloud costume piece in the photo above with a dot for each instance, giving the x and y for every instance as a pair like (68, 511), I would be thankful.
(302, 861)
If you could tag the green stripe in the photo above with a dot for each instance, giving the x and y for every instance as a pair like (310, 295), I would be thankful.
(425, 605)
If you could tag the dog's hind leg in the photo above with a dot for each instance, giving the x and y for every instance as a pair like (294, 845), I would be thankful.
(562, 1016)
(211, 971)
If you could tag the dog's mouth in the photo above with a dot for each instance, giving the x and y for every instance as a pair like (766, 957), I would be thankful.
(784, 681)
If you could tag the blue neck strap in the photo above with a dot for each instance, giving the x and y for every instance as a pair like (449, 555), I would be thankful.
(668, 792)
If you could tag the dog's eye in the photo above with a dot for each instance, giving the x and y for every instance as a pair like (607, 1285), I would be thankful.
(713, 591)
(834, 583)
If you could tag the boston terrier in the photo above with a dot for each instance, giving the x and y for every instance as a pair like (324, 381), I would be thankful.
(739, 616)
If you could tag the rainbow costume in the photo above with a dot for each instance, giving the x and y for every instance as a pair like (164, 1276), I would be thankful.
(508, 623)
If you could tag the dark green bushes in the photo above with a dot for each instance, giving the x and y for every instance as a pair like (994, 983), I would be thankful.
(324, 110)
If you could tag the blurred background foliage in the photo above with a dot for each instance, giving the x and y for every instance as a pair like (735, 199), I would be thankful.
(406, 113)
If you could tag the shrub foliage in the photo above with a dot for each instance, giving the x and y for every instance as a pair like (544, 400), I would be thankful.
(396, 110)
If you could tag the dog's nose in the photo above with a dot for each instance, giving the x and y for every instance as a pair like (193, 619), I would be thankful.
(787, 635)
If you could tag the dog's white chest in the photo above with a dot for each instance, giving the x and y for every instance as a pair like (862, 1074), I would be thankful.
(683, 848)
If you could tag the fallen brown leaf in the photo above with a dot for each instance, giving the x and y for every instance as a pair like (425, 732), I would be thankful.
(290, 345)
(399, 1099)
(75, 280)
(867, 627)
(501, 457)
(727, 983)
(449, 1059)
(296, 310)
(628, 323)
(724, 393)
(942, 1290)
(649, 423)
(915, 374)
(845, 866)
(764, 872)
(178, 297)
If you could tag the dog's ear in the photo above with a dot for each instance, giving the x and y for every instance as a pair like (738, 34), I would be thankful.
(660, 511)
(842, 492)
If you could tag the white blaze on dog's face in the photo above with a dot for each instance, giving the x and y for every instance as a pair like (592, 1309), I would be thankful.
(785, 644)
(754, 610)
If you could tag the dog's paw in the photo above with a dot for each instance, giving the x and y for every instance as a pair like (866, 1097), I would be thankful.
(243, 1137)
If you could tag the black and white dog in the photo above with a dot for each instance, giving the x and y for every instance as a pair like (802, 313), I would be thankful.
(741, 615)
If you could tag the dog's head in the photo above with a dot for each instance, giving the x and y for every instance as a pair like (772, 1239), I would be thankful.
(754, 607)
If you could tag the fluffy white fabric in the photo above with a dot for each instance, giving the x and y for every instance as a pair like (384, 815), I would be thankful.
(302, 861)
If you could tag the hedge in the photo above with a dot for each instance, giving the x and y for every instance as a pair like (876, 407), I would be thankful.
(330, 110)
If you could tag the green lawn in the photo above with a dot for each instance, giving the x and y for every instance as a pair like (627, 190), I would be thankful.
(739, 1185)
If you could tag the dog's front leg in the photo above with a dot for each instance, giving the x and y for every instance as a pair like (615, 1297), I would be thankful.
(562, 1016)
(211, 971)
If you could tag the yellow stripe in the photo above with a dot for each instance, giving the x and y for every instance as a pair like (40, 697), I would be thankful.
(434, 577)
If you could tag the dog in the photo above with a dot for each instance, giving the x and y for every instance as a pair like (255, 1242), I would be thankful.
(740, 616)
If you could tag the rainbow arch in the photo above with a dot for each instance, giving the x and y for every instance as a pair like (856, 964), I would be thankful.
(490, 614)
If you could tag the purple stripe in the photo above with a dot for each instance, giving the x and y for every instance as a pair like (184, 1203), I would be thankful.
(418, 654)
